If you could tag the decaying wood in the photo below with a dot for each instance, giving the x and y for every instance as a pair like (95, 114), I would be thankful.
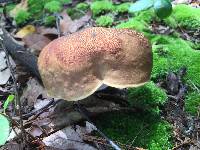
(19, 53)
(64, 113)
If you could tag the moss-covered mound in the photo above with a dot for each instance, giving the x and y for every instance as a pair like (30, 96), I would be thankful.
(100, 7)
(147, 97)
(192, 103)
(137, 129)
(184, 16)
(122, 8)
(139, 22)
(104, 21)
(171, 53)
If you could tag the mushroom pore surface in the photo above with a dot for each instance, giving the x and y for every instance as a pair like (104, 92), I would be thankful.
(75, 66)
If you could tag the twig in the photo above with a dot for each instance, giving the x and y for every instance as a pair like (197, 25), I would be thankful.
(31, 136)
(84, 112)
(39, 111)
(17, 100)
(101, 141)
(58, 17)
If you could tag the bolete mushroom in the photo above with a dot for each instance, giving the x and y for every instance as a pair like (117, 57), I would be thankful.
(75, 66)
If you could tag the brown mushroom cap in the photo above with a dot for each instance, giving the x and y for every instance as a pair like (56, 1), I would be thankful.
(75, 66)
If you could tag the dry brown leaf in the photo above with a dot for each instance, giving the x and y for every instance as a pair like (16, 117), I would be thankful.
(68, 138)
(32, 91)
(35, 131)
(45, 31)
(65, 22)
(70, 26)
(78, 23)
(50, 33)
(67, 26)
(36, 42)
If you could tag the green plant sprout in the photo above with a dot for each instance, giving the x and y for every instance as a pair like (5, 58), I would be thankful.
(8, 101)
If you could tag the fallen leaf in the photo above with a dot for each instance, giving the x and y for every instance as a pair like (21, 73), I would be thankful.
(32, 91)
(45, 31)
(35, 131)
(4, 70)
(41, 103)
(78, 23)
(68, 25)
(36, 41)
(65, 22)
(50, 33)
(26, 30)
(67, 138)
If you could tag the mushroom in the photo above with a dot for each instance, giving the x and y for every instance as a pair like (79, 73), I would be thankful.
(73, 67)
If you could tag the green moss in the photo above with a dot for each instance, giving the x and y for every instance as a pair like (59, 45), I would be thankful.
(82, 6)
(178, 53)
(134, 24)
(22, 17)
(53, 6)
(9, 7)
(65, 1)
(99, 7)
(104, 21)
(171, 22)
(136, 129)
(140, 22)
(35, 8)
(170, 54)
(49, 21)
(122, 8)
(192, 103)
(184, 16)
(74, 13)
(148, 96)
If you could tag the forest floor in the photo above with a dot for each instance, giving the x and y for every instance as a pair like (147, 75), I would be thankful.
(162, 114)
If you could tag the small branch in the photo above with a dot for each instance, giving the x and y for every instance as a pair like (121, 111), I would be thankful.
(17, 100)
(85, 113)
(58, 17)
(41, 110)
